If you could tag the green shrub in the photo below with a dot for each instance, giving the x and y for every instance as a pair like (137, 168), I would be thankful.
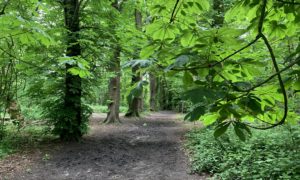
(270, 154)
(32, 112)
(15, 140)
(64, 120)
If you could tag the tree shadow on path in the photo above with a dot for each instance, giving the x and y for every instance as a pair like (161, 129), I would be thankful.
(145, 149)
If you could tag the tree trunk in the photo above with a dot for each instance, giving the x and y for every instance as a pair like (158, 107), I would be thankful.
(153, 92)
(114, 82)
(162, 94)
(73, 89)
(165, 95)
(218, 16)
(114, 89)
(135, 104)
(15, 114)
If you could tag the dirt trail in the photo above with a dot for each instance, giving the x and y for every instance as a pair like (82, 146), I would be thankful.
(146, 149)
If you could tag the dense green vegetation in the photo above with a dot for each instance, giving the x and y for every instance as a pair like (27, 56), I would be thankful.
(231, 64)
(28, 138)
(270, 154)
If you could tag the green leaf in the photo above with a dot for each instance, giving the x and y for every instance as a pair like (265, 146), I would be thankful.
(196, 113)
(147, 51)
(296, 85)
(187, 78)
(221, 129)
(136, 90)
(188, 38)
(209, 119)
(204, 4)
(241, 129)
(239, 132)
(252, 103)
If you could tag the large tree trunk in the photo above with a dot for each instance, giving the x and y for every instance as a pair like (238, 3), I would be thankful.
(114, 82)
(135, 104)
(153, 92)
(73, 89)
(114, 89)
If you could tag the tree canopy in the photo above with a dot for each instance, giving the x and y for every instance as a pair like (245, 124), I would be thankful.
(231, 62)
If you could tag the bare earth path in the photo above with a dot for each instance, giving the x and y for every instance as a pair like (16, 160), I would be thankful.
(146, 149)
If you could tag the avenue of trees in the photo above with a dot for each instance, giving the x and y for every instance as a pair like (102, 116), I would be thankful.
(232, 65)
(224, 62)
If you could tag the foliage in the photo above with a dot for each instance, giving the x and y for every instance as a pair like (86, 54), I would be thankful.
(222, 73)
(30, 136)
(61, 118)
(270, 154)
(228, 70)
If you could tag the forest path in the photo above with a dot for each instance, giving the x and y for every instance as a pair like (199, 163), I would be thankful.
(146, 149)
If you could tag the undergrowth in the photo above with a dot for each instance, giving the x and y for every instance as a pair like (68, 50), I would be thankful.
(15, 140)
(104, 109)
(271, 154)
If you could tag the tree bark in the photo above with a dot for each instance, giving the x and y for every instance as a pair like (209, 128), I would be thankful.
(162, 94)
(218, 17)
(153, 92)
(114, 82)
(135, 104)
(114, 89)
(14, 111)
(73, 89)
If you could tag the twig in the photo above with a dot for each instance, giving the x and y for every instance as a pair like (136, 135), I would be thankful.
(3, 37)
(4, 7)
(173, 12)
(25, 62)
(219, 62)
(289, 2)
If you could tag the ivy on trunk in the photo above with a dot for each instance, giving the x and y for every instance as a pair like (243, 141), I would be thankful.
(72, 128)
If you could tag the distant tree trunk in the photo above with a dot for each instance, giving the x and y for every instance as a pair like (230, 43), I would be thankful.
(153, 92)
(135, 104)
(114, 89)
(162, 94)
(165, 95)
(15, 113)
(73, 89)
(114, 82)
(218, 16)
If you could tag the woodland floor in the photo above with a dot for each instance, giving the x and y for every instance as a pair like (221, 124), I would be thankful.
(150, 148)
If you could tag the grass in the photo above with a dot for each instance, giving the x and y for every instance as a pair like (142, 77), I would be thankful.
(271, 154)
(29, 137)
(104, 109)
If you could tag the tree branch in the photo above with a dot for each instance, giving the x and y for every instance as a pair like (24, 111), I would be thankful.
(270, 77)
(281, 86)
(173, 12)
(25, 62)
(275, 65)
(219, 62)
(4, 7)
(289, 2)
